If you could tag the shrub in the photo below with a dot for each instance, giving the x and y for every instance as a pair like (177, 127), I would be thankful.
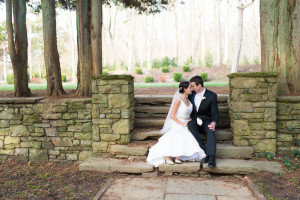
(63, 78)
(208, 60)
(173, 62)
(36, 75)
(10, 79)
(204, 76)
(165, 69)
(149, 79)
(138, 70)
(137, 65)
(104, 72)
(123, 66)
(245, 61)
(155, 64)
(177, 76)
(161, 78)
(186, 68)
(165, 62)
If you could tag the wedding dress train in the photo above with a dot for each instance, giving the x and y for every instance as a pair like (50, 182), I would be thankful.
(178, 141)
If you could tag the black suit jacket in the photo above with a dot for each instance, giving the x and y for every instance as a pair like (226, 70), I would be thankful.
(208, 110)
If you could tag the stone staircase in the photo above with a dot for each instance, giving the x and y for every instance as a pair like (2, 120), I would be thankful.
(150, 114)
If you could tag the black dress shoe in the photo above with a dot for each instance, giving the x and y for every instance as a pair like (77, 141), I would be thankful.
(204, 160)
(212, 161)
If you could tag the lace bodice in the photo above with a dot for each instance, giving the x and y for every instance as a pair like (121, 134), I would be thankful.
(184, 111)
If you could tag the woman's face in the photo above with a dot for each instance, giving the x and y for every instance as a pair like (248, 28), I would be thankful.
(188, 90)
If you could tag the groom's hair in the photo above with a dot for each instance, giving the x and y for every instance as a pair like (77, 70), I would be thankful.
(198, 80)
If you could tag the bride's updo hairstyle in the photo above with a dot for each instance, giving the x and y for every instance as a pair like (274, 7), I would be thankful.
(183, 85)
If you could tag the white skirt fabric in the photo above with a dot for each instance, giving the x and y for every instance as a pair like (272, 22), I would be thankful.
(177, 142)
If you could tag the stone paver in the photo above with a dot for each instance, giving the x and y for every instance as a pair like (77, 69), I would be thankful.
(175, 188)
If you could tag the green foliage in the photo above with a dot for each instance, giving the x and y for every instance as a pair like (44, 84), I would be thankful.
(173, 62)
(123, 66)
(145, 64)
(36, 75)
(110, 67)
(186, 68)
(155, 64)
(268, 155)
(200, 63)
(10, 79)
(296, 143)
(296, 153)
(165, 62)
(208, 60)
(204, 76)
(177, 76)
(104, 72)
(165, 69)
(138, 70)
(63, 78)
(149, 79)
(245, 61)
(256, 61)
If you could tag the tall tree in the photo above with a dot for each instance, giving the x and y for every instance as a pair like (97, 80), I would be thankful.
(226, 35)
(217, 31)
(3, 41)
(54, 83)
(17, 45)
(280, 42)
(241, 5)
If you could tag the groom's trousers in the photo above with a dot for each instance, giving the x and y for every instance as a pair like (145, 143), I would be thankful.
(195, 129)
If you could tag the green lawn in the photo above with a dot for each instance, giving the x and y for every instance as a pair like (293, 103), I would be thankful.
(70, 86)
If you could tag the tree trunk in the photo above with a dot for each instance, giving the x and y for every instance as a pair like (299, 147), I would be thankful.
(29, 51)
(150, 42)
(280, 39)
(96, 36)
(84, 71)
(54, 83)
(226, 37)
(17, 45)
(71, 35)
(239, 38)
(202, 39)
(217, 32)
(176, 30)
(131, 43)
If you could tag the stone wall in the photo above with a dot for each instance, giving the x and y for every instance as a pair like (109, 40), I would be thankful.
(113, 111)
(44, 130)
(252, 109)
(288, 122)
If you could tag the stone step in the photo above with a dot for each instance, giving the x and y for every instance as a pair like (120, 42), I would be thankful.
(234, 166)
(159, 122)
(139, 150)
(110, 165)
(162, 111)
(224, 166)
(140, 134)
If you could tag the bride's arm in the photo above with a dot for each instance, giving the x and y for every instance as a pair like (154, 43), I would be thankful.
(174, 111)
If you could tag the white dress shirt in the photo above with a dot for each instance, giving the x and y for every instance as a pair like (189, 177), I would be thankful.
(198, 98)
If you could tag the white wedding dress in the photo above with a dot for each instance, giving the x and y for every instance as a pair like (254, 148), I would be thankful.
(178, 141)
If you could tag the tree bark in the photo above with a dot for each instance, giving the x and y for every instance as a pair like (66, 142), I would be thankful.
(17, 45)
(54, 83)
(280, 39)
(4, 61)
(96, 36)
(29, 51)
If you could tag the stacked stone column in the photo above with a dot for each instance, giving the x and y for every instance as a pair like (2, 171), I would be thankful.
(112, 112)
(252, 110)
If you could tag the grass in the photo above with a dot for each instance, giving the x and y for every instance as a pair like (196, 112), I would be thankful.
(71, 86)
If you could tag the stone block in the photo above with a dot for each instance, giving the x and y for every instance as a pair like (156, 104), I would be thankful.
(110, 137)
(1, 144)
(47, 145)
(59, 108)
(99, 98)
(38, 155)
(83, 136)
(21, 152)
(124, 139)
(4, 131)
(121, 127)
(62, 141)
(86, 143)
(240, 142)
(69, 116)
(26, 111)
(72, 156)
(241, 82)
(87, 127)
(109, 89)
(19, 130)
(84, 114)
(263, 126)
(51, 132)
(85, 154)
(241, 127)
(270, 115)
(118, 101)
(95, 133)
(4, 123)
(33, 118)
(241, 107)
(73, 106)
(253, 97)
(12, 140)
(9, 152)
(266, 145)
(33, 144)
(100, 146)
(285, 137)
(54, 152)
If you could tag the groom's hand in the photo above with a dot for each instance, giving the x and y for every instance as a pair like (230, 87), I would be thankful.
(212, 126)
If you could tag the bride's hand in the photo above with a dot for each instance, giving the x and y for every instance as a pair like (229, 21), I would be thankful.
(185, 124)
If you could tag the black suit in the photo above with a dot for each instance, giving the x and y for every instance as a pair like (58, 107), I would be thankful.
(208, 112)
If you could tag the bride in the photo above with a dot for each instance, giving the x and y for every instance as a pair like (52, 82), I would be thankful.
(177, 141)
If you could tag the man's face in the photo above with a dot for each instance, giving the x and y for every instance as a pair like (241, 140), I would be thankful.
(195, 87)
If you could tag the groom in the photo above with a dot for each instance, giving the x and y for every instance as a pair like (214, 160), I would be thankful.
(205, 107)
